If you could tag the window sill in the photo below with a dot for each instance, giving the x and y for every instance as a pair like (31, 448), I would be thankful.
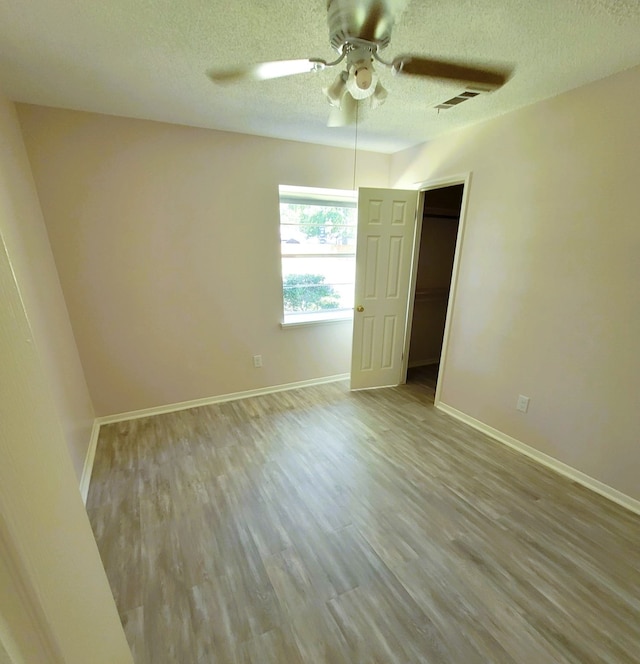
(301, 320)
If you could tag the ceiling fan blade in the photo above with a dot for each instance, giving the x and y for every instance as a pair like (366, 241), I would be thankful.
(345, 114)
(485, 79)
(262, 71)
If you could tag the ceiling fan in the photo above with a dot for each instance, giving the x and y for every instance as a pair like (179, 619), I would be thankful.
(358, 31)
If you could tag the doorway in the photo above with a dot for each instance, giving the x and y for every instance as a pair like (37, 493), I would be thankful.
(436, 242)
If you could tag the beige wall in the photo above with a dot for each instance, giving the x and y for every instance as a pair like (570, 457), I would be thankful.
(27, 243)
(548, 303)
(55, 601)
(167, 245)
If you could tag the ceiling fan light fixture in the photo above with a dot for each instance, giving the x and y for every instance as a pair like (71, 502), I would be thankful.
(379, 95)
(362, 80)
(335, 91)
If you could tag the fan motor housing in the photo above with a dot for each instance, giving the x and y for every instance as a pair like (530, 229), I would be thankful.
(349, 19)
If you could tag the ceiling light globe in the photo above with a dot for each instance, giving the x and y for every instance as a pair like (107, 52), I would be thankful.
(362, 80)
(335, 91)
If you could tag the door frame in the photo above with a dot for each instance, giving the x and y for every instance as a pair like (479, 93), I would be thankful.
(425, 186)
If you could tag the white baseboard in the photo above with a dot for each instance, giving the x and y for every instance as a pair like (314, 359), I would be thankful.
(550, 462)
(221, 398)
(85, 480)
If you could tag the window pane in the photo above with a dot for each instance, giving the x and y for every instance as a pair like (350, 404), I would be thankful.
(313, 225)
(294, 241)
(318, 246)
(318, 283)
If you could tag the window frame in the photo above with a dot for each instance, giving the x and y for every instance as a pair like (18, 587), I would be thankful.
(298, 195)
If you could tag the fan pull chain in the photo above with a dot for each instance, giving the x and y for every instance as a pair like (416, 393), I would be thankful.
(355, 148)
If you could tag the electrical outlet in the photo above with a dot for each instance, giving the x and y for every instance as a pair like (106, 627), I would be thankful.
(257, 361)
(522, 404)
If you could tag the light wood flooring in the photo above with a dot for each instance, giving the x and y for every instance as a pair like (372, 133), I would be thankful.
(424, 380)
(321, 526)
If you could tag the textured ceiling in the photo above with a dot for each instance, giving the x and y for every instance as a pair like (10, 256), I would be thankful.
(148, 58)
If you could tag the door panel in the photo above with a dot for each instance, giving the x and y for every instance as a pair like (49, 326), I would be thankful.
(388, 341)
(371, 266)
(394, 273)
(386, 230)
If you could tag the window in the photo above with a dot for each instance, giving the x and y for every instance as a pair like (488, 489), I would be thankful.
(318, 247)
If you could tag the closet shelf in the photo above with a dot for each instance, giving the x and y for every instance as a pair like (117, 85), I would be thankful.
(431, 293)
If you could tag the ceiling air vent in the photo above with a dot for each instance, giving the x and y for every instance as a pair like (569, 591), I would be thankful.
(454, 101)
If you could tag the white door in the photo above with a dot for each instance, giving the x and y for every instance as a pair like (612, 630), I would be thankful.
(386, 231)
